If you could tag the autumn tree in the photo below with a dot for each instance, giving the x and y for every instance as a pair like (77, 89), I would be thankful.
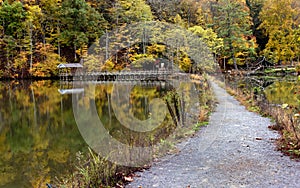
(279, 20)
(188, 12)
(209, 37)
(33, 29)
(232, 23)
(297, 43)
(127, 11)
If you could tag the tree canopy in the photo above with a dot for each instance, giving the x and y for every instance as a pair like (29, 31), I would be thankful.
(237, 31)
(280, 23)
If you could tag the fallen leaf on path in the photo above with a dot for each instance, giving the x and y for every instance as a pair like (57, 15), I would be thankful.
(128, 178)
(119, 186)
(284, 106)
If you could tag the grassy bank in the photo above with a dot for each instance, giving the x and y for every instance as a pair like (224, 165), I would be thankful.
(285, 118)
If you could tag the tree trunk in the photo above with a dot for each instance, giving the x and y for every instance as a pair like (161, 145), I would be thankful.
(34, 108)
(234, 63)
(58, 49)
(224, 64)
(109, 108)
(106, 46)
(144, 41)
(75, 56)
(58, 43)
(31, 47)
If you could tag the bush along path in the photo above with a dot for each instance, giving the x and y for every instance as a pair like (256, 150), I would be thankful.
(236, 149)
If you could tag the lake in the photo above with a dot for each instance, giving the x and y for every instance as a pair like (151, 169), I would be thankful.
(39, 135)
(276, 90)
(284, 91)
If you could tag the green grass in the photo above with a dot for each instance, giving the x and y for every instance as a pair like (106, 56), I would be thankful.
(199, 125)
(287, 70)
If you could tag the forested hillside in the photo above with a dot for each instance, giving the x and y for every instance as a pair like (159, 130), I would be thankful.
(38, 35)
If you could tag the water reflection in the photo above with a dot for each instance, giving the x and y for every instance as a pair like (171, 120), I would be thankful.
(123, 108)
(39, 137)
(276, 90)
(284, 92)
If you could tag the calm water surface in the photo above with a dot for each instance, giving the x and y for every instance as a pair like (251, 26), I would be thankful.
(277, 90)
(38, 134)
(39, 137)
(284, 91)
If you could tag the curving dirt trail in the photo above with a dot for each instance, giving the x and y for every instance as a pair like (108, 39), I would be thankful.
(236, 149)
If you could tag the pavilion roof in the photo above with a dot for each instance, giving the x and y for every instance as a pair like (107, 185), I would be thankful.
(69, 65)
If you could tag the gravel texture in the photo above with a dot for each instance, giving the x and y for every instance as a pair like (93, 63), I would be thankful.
(236, 149)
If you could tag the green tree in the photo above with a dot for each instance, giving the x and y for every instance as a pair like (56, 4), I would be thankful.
(51, 23)
(12, 18)
(232, 23)
(128, 11)
(255, 7)
(82, 24)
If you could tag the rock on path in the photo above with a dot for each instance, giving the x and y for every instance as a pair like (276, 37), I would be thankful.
(236, 149)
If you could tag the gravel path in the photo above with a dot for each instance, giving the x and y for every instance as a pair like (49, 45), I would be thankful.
(236, 149)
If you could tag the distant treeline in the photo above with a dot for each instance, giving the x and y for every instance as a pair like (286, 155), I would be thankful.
(38, 35)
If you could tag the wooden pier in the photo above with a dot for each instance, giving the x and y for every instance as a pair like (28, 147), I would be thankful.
(123, 76)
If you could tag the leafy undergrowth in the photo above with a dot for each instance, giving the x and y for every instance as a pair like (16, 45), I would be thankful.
(95, 171)
(285, 120)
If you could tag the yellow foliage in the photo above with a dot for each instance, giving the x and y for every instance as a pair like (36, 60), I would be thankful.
(82, 51)
(6, 175)
(47, 61)
(156, 49)
(108, 66)
(39, 181)
(278, 21)
(184, 63)
(60, 156)
(21, 60)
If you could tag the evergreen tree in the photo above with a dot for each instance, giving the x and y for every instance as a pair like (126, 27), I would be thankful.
(81, 25)
(255, 7)
(232, 23)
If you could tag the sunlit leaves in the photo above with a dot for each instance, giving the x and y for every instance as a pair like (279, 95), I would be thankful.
(127, 11)
(47, 61)
(278, 22)
(209, 37)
